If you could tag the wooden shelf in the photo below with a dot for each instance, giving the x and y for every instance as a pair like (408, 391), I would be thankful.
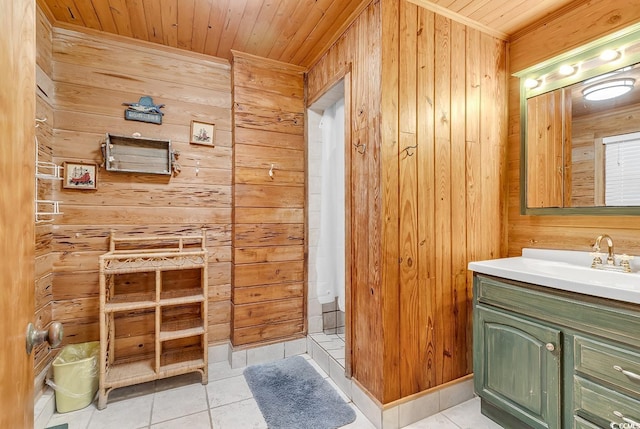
(179, 301)
(120, 374)
(181, 367)
(174, 359)
(183, 333)
(130, 302)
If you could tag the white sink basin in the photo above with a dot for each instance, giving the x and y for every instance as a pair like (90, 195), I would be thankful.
(565, 270)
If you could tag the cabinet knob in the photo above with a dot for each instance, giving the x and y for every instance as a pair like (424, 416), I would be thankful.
(625, 419)
(550, 347)
(629, 374)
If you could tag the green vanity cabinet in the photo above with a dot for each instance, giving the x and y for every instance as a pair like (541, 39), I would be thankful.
(518, 366)
(547, 358)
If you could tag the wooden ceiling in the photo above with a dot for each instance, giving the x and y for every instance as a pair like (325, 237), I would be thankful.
(292, 31)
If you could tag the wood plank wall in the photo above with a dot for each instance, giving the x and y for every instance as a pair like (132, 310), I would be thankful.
(420, 214)
(44, 90)
(586, 22)
(446, 142)
(93, 75)
(359, 49)
(268, 239)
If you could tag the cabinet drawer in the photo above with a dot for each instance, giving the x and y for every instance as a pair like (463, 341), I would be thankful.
(603, 406)
(606, 318)
(580, 423)
(607, 363)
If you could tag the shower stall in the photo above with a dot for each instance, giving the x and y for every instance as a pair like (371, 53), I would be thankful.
(326, 219)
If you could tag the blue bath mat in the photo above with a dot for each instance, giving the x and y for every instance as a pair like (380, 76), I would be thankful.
(292, 395)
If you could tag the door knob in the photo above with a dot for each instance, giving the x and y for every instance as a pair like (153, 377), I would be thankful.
(550, 347)
(53, 335)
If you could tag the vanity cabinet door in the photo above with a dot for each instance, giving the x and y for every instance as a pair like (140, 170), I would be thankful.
(517, 366)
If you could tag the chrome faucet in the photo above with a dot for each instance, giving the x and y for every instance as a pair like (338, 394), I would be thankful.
(624, 266)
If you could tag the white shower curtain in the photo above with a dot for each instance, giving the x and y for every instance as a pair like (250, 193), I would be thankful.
(331, 250)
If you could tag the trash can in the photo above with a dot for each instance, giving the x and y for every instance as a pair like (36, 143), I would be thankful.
(75, 376)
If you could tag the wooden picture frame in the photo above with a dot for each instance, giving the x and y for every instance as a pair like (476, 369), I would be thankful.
(202, 133)
(80, 175)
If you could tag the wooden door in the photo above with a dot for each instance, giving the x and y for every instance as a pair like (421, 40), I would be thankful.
(517, 367)
(17, 115)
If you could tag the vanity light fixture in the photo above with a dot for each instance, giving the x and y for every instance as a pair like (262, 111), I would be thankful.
(608, 89)
(566, 70)
(609, 55)
(531, 83)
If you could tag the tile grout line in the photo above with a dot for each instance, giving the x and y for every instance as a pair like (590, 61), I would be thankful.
(447, 417)
(206, 395)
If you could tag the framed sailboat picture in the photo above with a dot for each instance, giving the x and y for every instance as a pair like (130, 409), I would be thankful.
(202, 133)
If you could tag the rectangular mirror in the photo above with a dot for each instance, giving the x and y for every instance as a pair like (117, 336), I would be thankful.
(580, 130)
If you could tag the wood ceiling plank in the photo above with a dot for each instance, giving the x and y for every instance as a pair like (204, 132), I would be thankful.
(88, 14)
(138, 19)
(290, 27)
(153, 19)
(200, 25)
(445, 3)
(103, 11)
(533, 13)
(509, 18)
(186, 11)
(490, 13)
(217, 19)
(120, 15)
(475, 7)
(74, 15)
(268, 26)
(249, 19)
(58, 10)
(169, 15)
(457, 5)
(328, 30)
(232, 23)
(292, 31)
(298, 40)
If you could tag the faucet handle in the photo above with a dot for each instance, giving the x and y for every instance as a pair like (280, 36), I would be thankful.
(597, 258)
(624, 262)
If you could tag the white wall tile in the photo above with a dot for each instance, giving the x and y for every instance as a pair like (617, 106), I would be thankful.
(418, 409)
(295, 347)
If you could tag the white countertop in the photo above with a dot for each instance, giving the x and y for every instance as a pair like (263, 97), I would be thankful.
(565, 270)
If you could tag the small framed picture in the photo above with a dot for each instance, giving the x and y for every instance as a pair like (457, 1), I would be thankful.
(80, 175)
(202, 133)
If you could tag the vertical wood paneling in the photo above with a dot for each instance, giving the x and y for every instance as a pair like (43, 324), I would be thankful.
(473, 156)
(359, 49)
(408, 198)
(97, 67)
(440, 202)
(426, 195)
(442, 179)
(460, 307)
(582, 24)
(268, 265)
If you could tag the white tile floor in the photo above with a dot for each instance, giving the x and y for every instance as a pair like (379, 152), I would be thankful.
(225, 402)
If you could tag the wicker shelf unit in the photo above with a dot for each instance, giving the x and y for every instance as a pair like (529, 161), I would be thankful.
(158, 284)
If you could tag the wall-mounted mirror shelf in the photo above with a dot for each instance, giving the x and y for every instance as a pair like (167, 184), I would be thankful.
(134, 154)
(580, 130)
